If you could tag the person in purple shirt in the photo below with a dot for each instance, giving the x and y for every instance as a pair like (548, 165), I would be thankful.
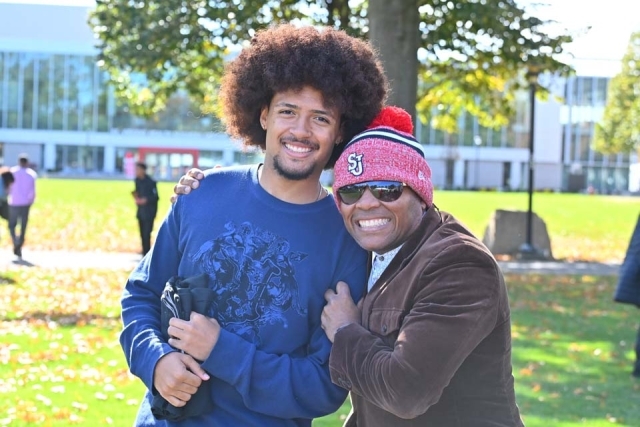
(21, 197)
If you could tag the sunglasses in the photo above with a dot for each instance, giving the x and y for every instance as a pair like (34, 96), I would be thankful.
(385, 191)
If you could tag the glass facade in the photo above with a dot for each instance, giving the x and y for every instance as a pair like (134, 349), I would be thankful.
(585, 101)
(210, 159)
(69, 92)
(45, 91)
(248, 156)
(516, 134)
(179, 115)
(52, 92)
(74, 159)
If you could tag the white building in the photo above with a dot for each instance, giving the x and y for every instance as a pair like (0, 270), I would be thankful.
(56, 106)
(563, 155)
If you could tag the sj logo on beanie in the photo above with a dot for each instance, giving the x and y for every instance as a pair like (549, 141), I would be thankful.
(355, 164)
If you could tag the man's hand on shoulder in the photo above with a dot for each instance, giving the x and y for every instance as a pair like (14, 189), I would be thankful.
(186, 183)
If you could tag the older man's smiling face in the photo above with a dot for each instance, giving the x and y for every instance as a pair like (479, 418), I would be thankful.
(382, 226)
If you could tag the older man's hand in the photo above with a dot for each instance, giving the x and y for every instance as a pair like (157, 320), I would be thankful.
(187, 182)
(340, 310)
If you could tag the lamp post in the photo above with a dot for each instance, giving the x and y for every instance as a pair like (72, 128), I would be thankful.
(477, 141)
(527, 249)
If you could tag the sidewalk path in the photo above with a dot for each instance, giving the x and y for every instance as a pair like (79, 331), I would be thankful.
(555, 267)
(66, 259)
(128, 261)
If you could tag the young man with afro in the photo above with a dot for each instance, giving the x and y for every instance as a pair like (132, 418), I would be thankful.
(268, 237)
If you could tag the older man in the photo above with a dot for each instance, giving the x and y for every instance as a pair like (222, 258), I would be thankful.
(430, 343)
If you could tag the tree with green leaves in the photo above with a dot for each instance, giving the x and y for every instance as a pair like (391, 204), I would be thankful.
(619, 130)
(443, 57)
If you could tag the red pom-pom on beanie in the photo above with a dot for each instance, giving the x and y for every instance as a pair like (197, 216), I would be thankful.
(393, 117)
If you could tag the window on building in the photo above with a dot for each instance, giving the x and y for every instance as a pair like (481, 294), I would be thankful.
(86, 93)
(247, 157)
(29, 90)
(487, 137)
(425, 131)
(74, 88)
(576, 94)
(439, 137)
(12, 70)
(44, 89)
(102, 94)
(121, 154)
(625, 158)
(78, 160)
(584, 142)
(58, 93)
(467, 129)
(597, 157)
(168, 166)
(601, 91)
(209, 159)
(587, 91)
(92, 158)
(517, 132)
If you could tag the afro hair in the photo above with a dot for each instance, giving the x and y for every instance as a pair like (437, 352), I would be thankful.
(346, 70)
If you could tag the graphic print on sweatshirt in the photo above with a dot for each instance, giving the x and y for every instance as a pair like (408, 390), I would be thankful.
(253, 276)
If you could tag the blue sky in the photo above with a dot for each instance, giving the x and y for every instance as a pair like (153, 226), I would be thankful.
(595, 52)
(599, 50)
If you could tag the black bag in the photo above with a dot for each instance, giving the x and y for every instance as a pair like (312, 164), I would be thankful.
(179, 298)
(4, 209)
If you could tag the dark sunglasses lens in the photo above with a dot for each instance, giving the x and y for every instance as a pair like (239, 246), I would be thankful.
(350, 194)
(388, 192)
(385, 191)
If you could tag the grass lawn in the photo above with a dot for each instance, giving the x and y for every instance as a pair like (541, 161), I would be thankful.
(100, 215)
(61, 364)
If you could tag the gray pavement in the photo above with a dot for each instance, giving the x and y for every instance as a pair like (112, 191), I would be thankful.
(67, 259)
(128, 261)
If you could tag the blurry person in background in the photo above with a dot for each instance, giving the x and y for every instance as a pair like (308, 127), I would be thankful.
(22, 194)
(146, 198)
(7, 179)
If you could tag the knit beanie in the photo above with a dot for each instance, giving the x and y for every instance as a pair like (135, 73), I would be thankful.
(386, 151)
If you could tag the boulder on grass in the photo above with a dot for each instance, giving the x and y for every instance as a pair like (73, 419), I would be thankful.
(506, 232)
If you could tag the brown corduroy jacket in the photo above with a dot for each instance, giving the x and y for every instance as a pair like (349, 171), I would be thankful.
(434, 347)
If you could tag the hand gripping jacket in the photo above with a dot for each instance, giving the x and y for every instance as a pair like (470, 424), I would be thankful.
(179, 298)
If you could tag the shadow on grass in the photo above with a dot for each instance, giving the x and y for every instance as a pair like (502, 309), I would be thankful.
(6, 280)
(23, 262)
(65, 319)
(572, 351)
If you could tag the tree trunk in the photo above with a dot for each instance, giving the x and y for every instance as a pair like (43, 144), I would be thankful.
(394, 31)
